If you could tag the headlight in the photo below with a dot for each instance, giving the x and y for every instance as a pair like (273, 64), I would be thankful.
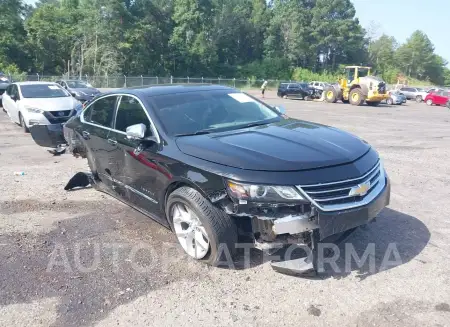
(262, 193)
(35, 110)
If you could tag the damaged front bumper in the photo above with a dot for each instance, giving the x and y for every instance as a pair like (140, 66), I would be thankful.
(305, 225)
(48, 136)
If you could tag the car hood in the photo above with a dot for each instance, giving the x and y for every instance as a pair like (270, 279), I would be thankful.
(51, 104)
(86, 90)
(289, 145)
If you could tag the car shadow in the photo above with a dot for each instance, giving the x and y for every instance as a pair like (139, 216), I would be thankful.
(94, 257)
(392, 240)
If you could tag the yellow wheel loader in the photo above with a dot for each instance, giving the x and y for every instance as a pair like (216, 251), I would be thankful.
(357, 87)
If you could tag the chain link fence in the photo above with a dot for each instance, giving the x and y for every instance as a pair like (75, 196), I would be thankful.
(124, 81)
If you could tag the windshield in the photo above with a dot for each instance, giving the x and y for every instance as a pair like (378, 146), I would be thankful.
(43, 91)
(211, 111)
(362, 72)
(77, 84)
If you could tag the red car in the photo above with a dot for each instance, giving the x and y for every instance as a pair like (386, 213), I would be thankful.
(439, 98)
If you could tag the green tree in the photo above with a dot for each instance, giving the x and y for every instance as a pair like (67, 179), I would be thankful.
(191, 41)
(381, 52)
(415, 55)
(12, 33)
(339, 38)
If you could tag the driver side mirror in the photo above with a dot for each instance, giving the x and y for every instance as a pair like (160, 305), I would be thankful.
(281, 109)
(136, 132)
(13, 97)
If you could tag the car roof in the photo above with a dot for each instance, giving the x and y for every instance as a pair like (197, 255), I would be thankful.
(171, 89)
(33, 83)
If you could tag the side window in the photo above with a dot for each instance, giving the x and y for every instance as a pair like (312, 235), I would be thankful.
(8, 90)
(130, 112)
(101, 112)
(15, 91)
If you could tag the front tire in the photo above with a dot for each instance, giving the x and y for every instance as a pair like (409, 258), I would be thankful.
(23, 124)
(331, 95)
(419, 99)
(204, 232)
(429, 102)
(389, 102)
(356, 97)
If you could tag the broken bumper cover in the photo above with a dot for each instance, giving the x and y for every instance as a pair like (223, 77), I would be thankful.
(49, 136)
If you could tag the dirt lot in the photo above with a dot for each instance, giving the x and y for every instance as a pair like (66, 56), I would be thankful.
(49, 240)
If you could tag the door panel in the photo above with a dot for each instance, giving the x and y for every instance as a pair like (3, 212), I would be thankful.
(135, 165)
(97, 121)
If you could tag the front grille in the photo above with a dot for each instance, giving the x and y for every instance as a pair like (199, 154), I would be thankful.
(337, 195)
(60, 116)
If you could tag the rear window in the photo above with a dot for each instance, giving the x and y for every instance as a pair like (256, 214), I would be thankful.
(43, 91)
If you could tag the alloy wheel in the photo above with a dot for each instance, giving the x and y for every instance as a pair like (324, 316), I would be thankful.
(190, 232)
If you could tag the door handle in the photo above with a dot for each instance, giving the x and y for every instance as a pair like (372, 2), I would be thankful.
(112, 141)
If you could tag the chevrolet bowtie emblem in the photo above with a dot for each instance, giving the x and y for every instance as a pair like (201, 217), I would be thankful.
(360, 189)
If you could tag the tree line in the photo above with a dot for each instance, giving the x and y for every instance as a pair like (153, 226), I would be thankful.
(280, 39)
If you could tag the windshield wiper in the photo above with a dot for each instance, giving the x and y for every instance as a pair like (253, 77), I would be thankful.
(255, 124)
(202, 132)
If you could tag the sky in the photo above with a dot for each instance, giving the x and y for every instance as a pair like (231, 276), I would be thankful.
(400, 18)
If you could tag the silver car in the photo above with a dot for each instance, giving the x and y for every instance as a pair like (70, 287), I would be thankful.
(396, 97)
(414, 93)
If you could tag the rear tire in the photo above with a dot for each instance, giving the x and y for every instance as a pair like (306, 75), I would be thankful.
(307, 98)
(389, 102)
(356, 97)
(419, 99)
(331, 95)
(23, 124)
(220, 228)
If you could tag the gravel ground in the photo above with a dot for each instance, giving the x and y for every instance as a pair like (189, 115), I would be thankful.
(82, 258)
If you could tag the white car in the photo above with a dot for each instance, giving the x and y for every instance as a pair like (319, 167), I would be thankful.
(318, 85)
(38, 103)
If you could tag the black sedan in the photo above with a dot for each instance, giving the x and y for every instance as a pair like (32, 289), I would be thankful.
(214, 164)
(81, 90)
